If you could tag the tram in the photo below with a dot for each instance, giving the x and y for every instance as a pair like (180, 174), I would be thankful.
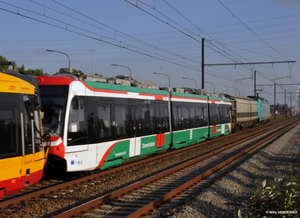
(22, 155)
(100, 124)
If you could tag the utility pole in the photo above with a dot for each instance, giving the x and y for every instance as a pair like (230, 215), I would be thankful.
(292, 84)
(202, 65)
(235, 64)
(274, 101)
(254, 76)
(285, 98)
(285, 102)
(93, 62)
(160, 75)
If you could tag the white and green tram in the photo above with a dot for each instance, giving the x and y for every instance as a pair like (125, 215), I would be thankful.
(96, 125)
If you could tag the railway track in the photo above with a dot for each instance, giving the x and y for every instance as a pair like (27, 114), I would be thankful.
(93, 182)
(146, 195)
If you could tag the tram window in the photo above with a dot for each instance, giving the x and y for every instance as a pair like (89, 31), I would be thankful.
(132, 114)
(147, 113)
(219, 113)
(185, 116)
(91, 119)
(176, 116)
(160, 118)
(28, 115)
(139, 121)
(119, 123)
(164, 117)
(75, 104)
(53, 113)
(214, 114)
(156, 117)
(104, 121)
(173, 117)
(226, 114)
(223, 114)
(77, 127)
(138, 118)
(36, 123)
(180, 118)
(203, 116)
(165, 121)
(199, 116)
(192, 115)
(8, 143)
(32, 136)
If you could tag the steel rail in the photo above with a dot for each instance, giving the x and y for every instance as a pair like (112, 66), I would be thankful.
(150, 206)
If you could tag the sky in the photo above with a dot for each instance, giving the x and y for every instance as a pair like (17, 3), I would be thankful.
(242, 38)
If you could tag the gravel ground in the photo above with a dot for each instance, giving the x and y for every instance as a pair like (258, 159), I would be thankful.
(223, 197)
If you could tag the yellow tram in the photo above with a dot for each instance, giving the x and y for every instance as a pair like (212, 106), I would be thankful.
(22, 156)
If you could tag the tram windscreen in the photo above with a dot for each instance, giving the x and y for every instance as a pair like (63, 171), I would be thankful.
(53, 100)
(8, 143)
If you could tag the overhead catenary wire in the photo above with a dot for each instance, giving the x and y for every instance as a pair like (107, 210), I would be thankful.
(125, 45)
(210, 37)
(114, 31)
(183, 29)
(187, 32)
(251, 30)
(220, 43)
(101, 38)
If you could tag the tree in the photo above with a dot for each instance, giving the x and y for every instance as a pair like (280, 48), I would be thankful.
(36, 72)
(3, 60)
(5, 66)
(78, 72)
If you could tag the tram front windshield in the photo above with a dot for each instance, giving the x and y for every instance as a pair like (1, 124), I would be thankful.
(53, 100)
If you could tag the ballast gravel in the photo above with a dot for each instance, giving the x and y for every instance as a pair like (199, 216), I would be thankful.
(229, 193)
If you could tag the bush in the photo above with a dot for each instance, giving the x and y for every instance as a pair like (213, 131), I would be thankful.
(281, 194)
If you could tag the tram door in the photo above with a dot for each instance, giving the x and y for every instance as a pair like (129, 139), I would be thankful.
(134, 127)
(77, 126)
(31, 130)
